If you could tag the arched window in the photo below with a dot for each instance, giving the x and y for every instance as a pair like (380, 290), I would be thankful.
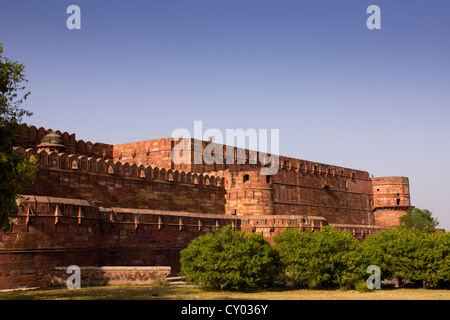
(246, 178)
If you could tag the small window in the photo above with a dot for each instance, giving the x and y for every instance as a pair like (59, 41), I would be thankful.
(398, 202)
(246, 178)
(268, 179)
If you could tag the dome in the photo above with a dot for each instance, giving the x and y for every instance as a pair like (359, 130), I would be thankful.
(52, 139)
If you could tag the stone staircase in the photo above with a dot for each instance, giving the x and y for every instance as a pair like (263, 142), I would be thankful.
(178, 282)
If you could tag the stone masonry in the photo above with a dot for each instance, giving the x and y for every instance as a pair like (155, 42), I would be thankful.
(97, 205)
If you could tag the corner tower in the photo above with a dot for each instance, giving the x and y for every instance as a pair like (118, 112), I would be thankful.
(391, 200)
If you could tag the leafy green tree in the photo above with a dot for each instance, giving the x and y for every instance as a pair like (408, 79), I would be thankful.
(228, 259)
(433, 259)
(321, 259)
(15, 169)
(419, 219)
(410, 254)
(395, 252)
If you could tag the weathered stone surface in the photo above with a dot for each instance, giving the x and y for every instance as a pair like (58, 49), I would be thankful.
(129, 205)
(110, 275)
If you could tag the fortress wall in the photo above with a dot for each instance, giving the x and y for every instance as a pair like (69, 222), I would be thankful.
(48, 233)
(388, 218)
(53, 233)
(342, 196)
(127, 185)
(156, 152)
(33, 136)
(57, 232)
(272, 225)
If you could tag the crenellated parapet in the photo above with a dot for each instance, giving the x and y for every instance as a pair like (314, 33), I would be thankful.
(299, 166)
(95, 204)
(114, 183)
(83, 164)
(33, 136)
(54, 232)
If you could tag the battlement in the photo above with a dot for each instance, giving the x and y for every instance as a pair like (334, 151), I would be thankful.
(300, 187)
(53, 232)
(92, 165)
(95, 204)
(114, 183)
(159, 152)
(288, 164)
(31, 138)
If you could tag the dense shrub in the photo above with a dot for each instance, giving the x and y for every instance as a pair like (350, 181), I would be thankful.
(320, 259)
(406, 254)
(329, 258)
(228, 259)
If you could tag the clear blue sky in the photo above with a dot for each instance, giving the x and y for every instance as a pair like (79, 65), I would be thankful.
(374, 100)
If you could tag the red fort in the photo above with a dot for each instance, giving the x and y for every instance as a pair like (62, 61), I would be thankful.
(128, 205)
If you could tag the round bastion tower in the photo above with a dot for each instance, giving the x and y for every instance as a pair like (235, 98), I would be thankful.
(248, 193)
(391, 200)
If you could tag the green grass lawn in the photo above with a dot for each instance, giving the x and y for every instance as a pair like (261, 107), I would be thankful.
(165, 292)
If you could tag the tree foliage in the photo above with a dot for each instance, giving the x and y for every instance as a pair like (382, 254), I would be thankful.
(419, 219)
(320, 259)
(325, 259)
(410, 254)
(15, 169)
(228, 259)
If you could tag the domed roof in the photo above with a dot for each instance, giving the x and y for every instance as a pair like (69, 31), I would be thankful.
(52, 139)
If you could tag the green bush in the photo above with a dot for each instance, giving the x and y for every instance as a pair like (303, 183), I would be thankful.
(232, 260)
(406, 254)
(326, 259)
(320, 259)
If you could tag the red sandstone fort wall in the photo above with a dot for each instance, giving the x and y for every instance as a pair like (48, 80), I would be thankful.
(33, 136)
(58, 232)
(156, 152)
(124, 185)
(169, 206)
(340, 197)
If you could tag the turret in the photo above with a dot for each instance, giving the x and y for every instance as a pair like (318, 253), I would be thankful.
(391, 199)
(249, 193)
